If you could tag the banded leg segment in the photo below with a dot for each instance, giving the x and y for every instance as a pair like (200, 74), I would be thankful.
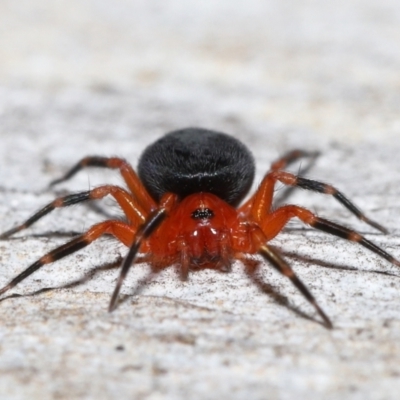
(274, 223)
(152, 222)
(285, 269)
(119, 230)
(126, 170)
(133, 211)
(263, 196)
(291, 157)
(283, 162)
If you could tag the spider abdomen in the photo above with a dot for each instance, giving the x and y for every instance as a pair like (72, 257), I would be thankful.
(195, 160)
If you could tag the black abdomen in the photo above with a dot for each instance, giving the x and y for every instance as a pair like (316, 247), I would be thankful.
(197, 160)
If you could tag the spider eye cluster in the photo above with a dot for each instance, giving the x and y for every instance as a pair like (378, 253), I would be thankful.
(195, 160)
(202, 213)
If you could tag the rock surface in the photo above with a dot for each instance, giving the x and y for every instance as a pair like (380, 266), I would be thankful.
(96, 77)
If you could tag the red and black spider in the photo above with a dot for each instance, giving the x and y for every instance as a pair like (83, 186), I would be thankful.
(182, 209)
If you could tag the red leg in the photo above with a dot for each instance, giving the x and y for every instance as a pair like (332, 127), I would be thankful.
(259, 205)
(153, 221)
(285, 269)
(282, 162)
(119, 230)
(273, 256)
(291, 157)
(127, 172)
(262, 199)
(133, 211)
(272, 224)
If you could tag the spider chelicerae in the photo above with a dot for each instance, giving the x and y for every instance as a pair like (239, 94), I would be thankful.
(183, 208)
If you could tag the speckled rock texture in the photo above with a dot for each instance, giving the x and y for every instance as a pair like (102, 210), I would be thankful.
(96, 77)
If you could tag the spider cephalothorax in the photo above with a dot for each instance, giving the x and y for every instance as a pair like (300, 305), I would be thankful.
(183, 208)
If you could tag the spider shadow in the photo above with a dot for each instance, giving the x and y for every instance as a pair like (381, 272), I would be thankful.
(89, 275)
(252, 267)
(330, 265)
(77, 282)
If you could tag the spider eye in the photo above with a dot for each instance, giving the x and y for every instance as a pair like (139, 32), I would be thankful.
(202, 213)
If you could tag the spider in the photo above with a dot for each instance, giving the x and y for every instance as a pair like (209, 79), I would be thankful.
(183, 208)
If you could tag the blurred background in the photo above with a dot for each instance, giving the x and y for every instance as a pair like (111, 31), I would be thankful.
(331, 67)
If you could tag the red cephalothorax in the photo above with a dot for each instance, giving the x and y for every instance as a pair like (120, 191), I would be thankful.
(183, 209)
(201, 231)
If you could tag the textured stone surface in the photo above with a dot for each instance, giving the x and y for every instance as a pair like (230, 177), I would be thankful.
(89, 77)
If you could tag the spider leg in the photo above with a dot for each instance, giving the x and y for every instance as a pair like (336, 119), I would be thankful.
(126, 170)
(263, 196)
(152, 222)
(284, 268)
(184, 264)
(282, 162)
(291, 157)
(120, 230)
(129, 205)
(274, 223)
